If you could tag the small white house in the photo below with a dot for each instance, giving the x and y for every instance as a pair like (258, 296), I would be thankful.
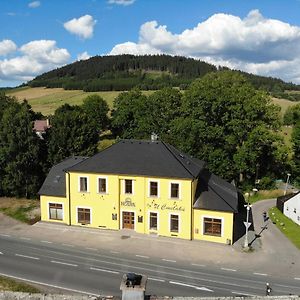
(291, 208)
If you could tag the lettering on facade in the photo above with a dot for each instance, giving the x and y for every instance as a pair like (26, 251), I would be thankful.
(128, 202)
(173, 207)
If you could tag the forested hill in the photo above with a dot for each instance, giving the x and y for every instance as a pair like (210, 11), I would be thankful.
(148, 72)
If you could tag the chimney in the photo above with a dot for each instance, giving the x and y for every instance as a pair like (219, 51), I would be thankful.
(154, 137)
(133, 286)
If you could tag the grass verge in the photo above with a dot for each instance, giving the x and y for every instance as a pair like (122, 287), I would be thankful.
(289, 228)
(23, 210)
(7, 284)
(265, 194)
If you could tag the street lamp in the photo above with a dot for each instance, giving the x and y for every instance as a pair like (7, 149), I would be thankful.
(287, 182)
(247, 224)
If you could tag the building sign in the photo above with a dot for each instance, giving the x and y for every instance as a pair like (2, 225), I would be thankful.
(128, 202)
(171, 207)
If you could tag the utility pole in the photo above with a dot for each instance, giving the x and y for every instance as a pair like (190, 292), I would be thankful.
(287, 182)
(247, 224)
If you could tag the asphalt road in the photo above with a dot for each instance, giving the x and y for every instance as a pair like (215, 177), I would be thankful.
(99, 272)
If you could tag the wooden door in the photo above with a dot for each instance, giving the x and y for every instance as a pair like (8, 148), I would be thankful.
(128, 220)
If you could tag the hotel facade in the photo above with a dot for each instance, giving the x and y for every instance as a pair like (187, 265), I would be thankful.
(146, 186)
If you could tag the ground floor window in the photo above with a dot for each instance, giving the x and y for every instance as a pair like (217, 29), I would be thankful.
(55, 211)
(174, 223)
(153, 221)
(84, 215)
(212, 226)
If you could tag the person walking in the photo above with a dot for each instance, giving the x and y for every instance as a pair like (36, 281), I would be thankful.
(268, 289)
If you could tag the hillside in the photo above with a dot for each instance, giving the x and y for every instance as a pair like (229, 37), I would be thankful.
(148, 72)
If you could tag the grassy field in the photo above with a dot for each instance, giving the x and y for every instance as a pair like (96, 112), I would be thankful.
(47, 101)
(261, 195)
(284, 104)
(286, 225)
(7, 284)
(24, 210)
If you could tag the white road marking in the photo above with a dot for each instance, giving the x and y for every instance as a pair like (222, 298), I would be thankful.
(94, 249)
(1, 253)
(226, 269)
(114, 252)
(169, 260)
(68, 245)
(103, 270)
(242, 293)
(25, 238)
(198, 265)
(46, 242)
(191, 286)
(63, 263)
(156, 279)
(51, 285)
(142, 256)
(297, 278)
(26, 256)
(260, 274)
(2, 234)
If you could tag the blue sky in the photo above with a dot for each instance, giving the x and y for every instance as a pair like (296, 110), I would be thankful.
(261, 37)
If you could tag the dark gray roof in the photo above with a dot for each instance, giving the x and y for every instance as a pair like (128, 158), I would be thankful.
(55, 183)
(214, 193)
(135, 157)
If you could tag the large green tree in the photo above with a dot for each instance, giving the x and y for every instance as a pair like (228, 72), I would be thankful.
(71, 133)
(220, 116)
(22, 160)
(137, 116)
(97, 109)
(296, 148)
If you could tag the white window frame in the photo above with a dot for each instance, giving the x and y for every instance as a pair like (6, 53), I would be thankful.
(124, 186)
(63, 211)
(87, 183)
(213, 217)
(179, 227)
(179, 192)
(155, 212)
(121, 218)
(91, 214)
(149, 188)
(106, 179)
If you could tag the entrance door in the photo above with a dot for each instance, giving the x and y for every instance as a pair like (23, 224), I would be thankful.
(128, 220)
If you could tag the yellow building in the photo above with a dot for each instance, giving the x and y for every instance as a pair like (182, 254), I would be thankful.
(146, 186)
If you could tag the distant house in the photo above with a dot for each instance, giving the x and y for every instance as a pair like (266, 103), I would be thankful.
(291, 208)
(40, 127)
(146, 186)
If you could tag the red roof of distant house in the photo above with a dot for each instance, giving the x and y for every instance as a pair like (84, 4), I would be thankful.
(41, 125)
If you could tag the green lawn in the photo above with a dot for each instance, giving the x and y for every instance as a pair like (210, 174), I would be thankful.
(286, 225)
(47, 101)
(7, 284)
(265, 194)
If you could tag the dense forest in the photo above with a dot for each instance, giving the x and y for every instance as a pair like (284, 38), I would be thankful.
(147, 72)
(220, 118)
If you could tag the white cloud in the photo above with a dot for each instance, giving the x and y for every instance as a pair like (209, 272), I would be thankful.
(83, 56)
(257, 44)
(121, 2)
(7, 47)
(33, 59)
(83, 26)
(34, 4)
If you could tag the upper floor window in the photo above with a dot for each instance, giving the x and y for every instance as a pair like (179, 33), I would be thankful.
(102, 185)
(153, 189)
(128, 186)
(174, 190)
(83, 184)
